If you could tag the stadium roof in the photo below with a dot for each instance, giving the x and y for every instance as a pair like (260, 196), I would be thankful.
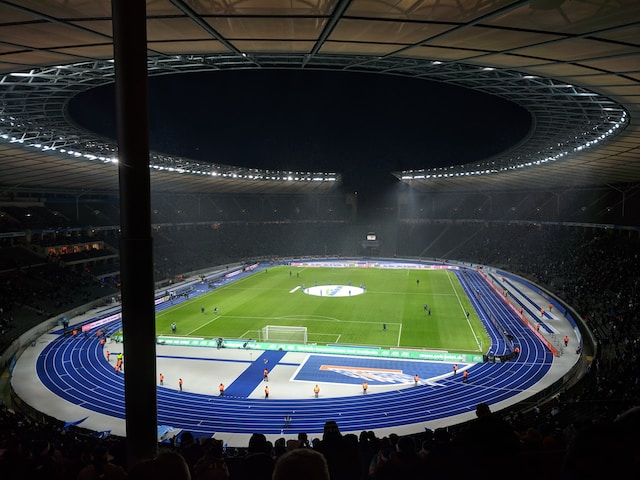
(575, 65)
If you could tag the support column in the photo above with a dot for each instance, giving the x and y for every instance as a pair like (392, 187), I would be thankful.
(136, 254)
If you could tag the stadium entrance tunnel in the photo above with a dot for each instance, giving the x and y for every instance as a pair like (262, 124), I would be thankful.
(334, 290)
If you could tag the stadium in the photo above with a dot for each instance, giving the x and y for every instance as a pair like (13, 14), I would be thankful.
(321, 349)
(518, 267)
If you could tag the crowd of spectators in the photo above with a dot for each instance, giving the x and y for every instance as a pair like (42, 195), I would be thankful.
(39, 291)
(477, 449)
(583, 431)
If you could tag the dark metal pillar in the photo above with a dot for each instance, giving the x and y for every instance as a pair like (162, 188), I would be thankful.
(136, 256)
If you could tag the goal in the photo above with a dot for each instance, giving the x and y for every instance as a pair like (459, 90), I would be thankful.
(282, 333)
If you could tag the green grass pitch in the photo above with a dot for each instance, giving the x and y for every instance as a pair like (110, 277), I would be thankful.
(395, 297)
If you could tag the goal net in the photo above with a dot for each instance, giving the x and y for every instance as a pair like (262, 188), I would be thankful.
(281, 333)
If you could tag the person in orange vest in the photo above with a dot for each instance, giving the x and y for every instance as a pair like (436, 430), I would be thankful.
(465, 376)
(75, 332)
(180, 384)
(266, 375)
(316, 390)
(102, 342)
(117, 367)
(365, 385)
(566, 340)
(221, 388)
(108, 354)
(455, 368)
(161, 379)
(266, 391)
(541, 312)
(415, 379)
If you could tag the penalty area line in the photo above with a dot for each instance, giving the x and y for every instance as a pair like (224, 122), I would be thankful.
(203, 325)
(295, 289)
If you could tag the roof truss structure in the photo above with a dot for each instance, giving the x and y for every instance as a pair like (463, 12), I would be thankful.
(574, 65)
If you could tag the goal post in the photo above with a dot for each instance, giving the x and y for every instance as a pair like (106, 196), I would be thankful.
(283, 333)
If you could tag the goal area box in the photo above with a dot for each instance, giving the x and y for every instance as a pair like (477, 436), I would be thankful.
(285, 334)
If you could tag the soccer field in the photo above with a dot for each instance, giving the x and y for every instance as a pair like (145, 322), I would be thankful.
(375, 307)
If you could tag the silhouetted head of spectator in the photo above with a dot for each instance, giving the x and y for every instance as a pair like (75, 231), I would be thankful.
(100, 453)
(186, 438)
(257, 443)
(214, 447)
(303, 438)
(483, 410)
(301, 463)
(331, 430)
(280, 446)
(166, 466)
(406, 446)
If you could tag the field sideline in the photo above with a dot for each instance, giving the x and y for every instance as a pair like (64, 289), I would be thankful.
(348, 306)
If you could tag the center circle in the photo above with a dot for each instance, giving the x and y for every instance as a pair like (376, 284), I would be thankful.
(334, 291)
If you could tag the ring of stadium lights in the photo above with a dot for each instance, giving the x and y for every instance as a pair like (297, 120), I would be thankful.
(565, 118)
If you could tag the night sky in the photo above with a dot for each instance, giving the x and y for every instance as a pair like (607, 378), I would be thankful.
(361, 125)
